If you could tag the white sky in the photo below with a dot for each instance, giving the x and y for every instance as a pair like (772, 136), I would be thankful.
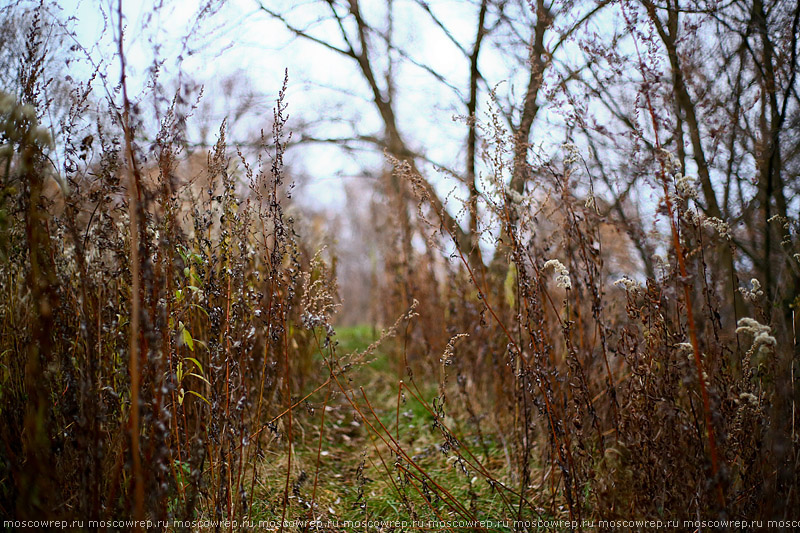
(251, 42)
(326, 91)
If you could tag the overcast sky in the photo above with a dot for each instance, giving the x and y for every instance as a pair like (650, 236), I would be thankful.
(325, 90)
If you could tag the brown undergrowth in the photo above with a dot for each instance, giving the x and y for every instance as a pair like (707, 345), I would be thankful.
(170, 349)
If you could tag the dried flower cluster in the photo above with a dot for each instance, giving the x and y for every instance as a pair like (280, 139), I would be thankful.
(562, 274)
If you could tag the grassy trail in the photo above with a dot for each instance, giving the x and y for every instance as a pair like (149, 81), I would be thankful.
(359, 477)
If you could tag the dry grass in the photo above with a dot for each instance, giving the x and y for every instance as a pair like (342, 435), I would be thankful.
(168, 348)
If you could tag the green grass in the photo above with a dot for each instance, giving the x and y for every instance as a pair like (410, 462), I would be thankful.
(347, 441)
(355, 338)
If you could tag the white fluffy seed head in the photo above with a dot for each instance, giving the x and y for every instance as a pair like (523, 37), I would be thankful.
(563, 280)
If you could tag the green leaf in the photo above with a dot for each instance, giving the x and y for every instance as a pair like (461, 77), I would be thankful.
(510, 285)
(199, 377)
(200, 308)
(199, 396)
(197, 363)
(187, 339)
